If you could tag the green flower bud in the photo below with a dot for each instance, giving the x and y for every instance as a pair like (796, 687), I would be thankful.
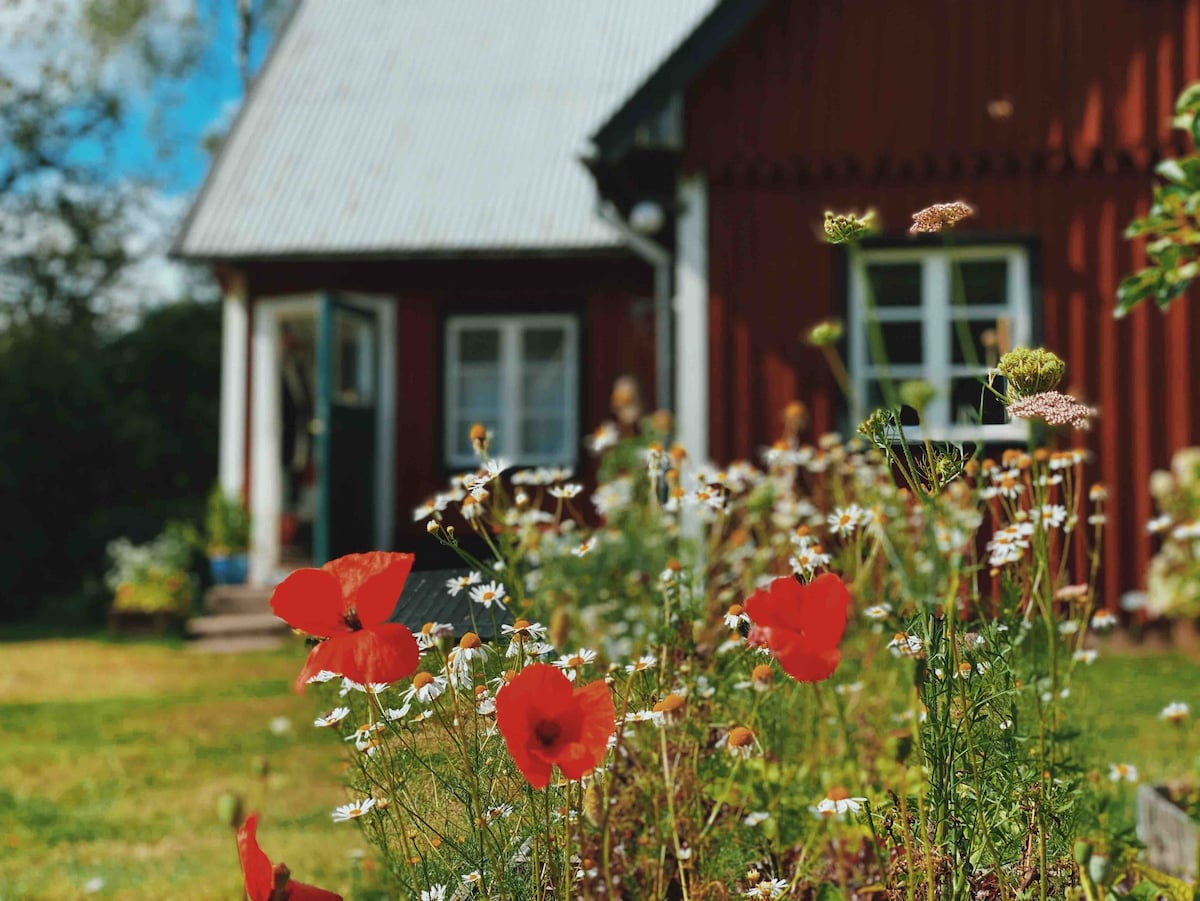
(229, 810)
(1098, 868)
(917, 393)
(1031, 371)
(848, 228)
(825, 334)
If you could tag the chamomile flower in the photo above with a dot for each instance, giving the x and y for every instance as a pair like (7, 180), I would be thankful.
(1122, 772)
(332, 718)
(489, 594)
(1176, 712)
(322, 676)
(461, 583)
(844, 520)
(430, 632)
(362, 735)
(353, 810)
(586, 548)
(571, 664)
(565, 492)
(767, 889)
(473, 878)
(735, 616)
(643, 663)
(1085, 655)
(905, 645)
(1103, 620)
(434, 893)
(1159, 524)
(425, 687)
(756, 817)
(878, 612)
(837, 804)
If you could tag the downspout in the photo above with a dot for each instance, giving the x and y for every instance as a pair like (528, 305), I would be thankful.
(663, 263)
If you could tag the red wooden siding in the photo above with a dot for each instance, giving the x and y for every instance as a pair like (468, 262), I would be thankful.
(611, 294)
(840, 105)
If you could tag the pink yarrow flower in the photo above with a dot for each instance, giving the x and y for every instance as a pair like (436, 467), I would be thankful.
(940, 215)
(1055, 408)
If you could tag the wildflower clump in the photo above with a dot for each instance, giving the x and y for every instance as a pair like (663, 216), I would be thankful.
(940, 215)
(849, 228)
(1029, 371)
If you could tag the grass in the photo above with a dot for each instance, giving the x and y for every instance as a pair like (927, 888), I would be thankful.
(115, 757)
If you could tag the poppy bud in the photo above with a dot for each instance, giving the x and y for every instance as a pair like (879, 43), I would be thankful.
(229, 810)
(1081, 851)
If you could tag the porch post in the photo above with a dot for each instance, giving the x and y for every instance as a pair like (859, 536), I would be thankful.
(691, 318)
(232, 432)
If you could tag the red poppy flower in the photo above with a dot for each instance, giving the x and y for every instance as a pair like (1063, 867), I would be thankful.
(265, 882)
(801, 625)
(546, 721)
(347, 602)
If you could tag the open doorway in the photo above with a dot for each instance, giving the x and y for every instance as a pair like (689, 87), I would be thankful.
(297, 438)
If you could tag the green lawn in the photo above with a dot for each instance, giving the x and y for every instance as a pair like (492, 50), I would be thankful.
(114, 757)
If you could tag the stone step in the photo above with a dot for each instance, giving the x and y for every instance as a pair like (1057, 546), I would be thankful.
(237, 599)
(230, 624)
(235, 644)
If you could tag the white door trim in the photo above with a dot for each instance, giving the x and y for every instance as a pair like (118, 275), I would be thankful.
(691, 318)
(266, 433)
(232, 432)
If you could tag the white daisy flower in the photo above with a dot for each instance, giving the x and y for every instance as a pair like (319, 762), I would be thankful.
(353, 810)
(1103, 620)
(844, 520)
(586, 548)
(565, 492)
(767, 889)
(837, 804)
(323, 676)
(645, 662)
(460, 583)
(1085, 655)
(434, 893)
(603, 438)
(425, 687)
(905, 645)
(736, 616)
(1159, 524)
(486, 595)
(473, 878)
(1122, 772)
(755, 817)
(332, 718)
(1175, 712)
(878, 612)
(572, 663)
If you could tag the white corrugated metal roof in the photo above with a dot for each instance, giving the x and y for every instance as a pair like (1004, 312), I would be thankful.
(412, 126)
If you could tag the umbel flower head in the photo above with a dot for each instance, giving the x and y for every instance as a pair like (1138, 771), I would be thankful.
(347, 602)
(848, 228)
(1053, 408)
(940, 215)
(1030, 370)
(546, 721)
(266, 883)
(801, 625)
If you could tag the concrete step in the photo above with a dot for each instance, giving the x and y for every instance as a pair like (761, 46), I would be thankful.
(235, 644)
(230, 624)
(237, 599)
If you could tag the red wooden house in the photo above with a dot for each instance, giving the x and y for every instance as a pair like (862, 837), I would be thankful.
(746, 121)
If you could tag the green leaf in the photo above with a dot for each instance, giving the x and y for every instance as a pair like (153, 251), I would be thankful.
(1134, 289)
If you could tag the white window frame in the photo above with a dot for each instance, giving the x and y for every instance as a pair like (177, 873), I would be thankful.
(511, 328)
(937, 330)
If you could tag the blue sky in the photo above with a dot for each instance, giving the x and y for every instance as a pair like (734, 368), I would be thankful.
(209, 96)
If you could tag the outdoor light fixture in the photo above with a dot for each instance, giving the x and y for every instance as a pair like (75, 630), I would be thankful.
(647, 217)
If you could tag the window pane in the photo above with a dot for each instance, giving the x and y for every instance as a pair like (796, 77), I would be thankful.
(901, 341)
(479, 390)
(983, 282)
(895, 285)
(966, 394)
(478, 345)
(977, 335)
(544, 344)
(544, 388)
(542, 435)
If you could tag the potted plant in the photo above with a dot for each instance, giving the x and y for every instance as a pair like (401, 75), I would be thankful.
(153, 587)
(228, 526)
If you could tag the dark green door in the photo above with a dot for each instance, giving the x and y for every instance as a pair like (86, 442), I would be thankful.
(347, 399)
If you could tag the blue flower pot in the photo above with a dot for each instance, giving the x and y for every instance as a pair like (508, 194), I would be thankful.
(230, 570)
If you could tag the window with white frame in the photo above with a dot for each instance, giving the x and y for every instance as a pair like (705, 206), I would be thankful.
(519, 377)
(942, 315)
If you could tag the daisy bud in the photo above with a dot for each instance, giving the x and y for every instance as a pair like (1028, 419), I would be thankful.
(763, 676)
(668, 710)
(480, 437)
(431, 527)
(741, 740)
